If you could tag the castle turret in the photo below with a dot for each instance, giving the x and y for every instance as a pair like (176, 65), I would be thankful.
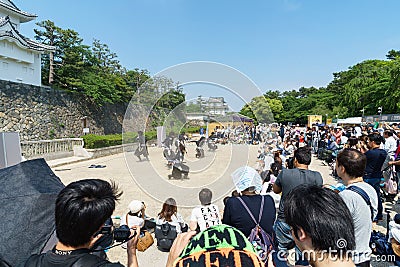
(20, 57)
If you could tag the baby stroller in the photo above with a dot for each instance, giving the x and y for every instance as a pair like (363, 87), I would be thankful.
(179, 171)
(211, 145)
(199, 148)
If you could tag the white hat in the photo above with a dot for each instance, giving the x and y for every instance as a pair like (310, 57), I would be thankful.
(135, 206)
(245, 177)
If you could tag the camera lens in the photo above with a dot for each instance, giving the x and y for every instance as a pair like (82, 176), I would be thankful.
(122, 233)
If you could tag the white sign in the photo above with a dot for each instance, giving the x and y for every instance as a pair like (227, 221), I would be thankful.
(85, 130)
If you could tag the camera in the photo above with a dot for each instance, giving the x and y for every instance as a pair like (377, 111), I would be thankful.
(120, 234)
(290, 163)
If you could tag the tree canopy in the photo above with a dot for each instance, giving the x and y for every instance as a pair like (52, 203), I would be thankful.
(365, 86)
(92, 70)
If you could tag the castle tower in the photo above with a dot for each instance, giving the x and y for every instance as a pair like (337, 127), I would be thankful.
(20, 57)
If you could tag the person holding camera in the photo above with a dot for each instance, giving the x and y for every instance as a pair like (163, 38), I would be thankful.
(82, 208)
(287, 180)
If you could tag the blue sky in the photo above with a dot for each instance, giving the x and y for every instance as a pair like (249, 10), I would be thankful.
(279, 44)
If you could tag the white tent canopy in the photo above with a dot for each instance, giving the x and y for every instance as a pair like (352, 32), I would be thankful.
(352, 120)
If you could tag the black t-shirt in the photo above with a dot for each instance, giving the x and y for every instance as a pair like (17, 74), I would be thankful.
(375, 159)
(236, 215)
(80, 257)
(309, 135)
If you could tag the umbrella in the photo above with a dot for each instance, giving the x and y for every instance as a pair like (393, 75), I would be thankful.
(27, 200)
(245, 177)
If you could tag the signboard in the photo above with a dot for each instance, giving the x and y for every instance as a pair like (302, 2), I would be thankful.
(314, 119)
(383, 118)
(329, 121)
(85, 130)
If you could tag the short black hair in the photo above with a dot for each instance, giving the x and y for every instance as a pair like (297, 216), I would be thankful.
(323, 215)
(352, 141)
(82, 207)
(375, 137)
(353, 161)
(303, 155)
(388, 133)
(205, 196)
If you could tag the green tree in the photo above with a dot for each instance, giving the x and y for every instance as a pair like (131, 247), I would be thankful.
(104, 59)
(193, 108)
(393, 54)
(259, 109)
(50, 35)
(248, 112)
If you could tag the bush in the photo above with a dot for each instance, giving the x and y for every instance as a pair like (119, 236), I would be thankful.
(194, 129)
(98, 141)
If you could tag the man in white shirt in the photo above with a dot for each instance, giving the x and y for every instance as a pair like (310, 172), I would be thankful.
(205, 215)
(390, 143)
(350, 166)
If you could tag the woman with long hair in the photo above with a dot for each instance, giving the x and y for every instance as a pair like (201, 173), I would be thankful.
(169, 213)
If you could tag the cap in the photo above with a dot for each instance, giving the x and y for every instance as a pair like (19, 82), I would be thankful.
(135, 206)
(221, 243)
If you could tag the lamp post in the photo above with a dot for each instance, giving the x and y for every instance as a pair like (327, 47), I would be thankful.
(363, 110)
(326, 121)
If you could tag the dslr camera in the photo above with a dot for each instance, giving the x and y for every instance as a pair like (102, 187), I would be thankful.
(120, 234)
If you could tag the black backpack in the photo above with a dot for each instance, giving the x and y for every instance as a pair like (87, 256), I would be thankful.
(165, 234)
(379, 244)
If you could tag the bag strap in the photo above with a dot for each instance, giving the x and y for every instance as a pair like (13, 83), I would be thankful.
(364, 195)
(250, 213)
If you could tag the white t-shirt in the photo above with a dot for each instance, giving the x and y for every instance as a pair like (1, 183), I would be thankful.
(206, 216)
(132, 221)
(176, 220)
(390, 145)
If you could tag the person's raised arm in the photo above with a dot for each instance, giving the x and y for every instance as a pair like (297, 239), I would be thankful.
(396, 162)
(131, 248)
(179, 244)
(193, 225)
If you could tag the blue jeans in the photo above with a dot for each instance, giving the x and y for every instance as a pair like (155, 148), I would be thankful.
(285, 241)
(375, 183)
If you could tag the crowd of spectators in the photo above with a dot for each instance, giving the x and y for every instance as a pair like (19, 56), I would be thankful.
(290, 201)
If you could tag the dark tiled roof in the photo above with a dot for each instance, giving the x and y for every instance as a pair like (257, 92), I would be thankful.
(11, 6)
(22, 40)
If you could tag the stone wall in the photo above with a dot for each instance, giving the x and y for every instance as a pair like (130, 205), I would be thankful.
(39, 113)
